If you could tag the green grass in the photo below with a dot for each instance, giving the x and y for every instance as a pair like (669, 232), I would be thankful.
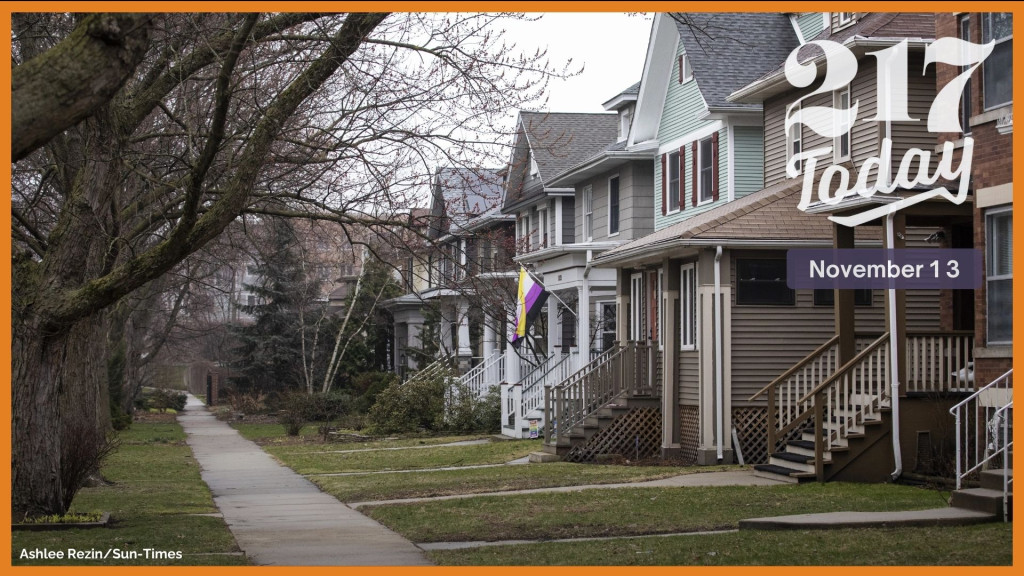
(477, 480)
(635, 511)
(979, 545)
(318, 462)
(309, 438)
(153, 502)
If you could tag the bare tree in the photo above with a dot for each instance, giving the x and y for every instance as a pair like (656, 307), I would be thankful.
(322, 116)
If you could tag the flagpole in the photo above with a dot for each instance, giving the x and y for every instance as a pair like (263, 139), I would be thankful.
(550, 292)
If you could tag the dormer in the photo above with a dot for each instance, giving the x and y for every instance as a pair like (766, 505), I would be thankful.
(623, 104)
(842, 20)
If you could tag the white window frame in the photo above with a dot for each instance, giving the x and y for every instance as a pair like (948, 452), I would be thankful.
(625, 119)
(989, 277)
(843, 120)
(588, 213)
(687, 68)
(844, 19)
(660, 295)
(636, 305)
(700, 171)
(534, 169)
(673, 160)
(618, 215)
(599, 308)
(985, 18)
(688, 306)
(542, 226)
(795, 137)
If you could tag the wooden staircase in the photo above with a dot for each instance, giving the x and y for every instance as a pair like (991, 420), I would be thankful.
(610, 406)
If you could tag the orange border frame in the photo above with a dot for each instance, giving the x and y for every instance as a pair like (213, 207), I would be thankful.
(533, 6)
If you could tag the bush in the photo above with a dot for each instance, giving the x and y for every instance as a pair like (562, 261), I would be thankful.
(83, 449)
(467, 413)
(367, 386)
(249, 402)
(163, 400)
(300, 408)
(409, 406)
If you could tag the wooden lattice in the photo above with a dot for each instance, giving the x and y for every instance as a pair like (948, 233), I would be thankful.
(689, 438)
(752, 430)
(634, 435)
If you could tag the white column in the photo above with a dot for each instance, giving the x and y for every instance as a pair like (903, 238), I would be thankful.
(490, 337)
(465, 350)
(552, 324)
(583, 324)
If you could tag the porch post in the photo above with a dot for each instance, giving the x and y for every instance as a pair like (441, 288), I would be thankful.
(583, 324)
(490, 340)
(842, 237)
(622, 307)
(670, 431)
(553, 330)
(465, 349)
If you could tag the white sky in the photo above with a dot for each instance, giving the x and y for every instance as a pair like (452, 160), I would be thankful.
(611, 46)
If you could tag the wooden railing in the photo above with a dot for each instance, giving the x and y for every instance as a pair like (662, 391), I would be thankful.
(785, 391)
(937, 361)
(856, 392)
(631, 368)
(487, 373)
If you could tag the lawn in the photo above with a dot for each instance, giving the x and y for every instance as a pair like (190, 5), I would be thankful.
(325, 462)
(309, 438)
(478, 480)
(155, 501)
(635, 511)
(978, 545)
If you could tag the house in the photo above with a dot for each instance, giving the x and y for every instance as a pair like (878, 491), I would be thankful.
(738, 361)
(457, 273)
(575, 191)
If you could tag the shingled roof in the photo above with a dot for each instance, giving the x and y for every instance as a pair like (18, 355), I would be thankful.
(768, 215)
(465, 194)
(558, 141)
(730, 49)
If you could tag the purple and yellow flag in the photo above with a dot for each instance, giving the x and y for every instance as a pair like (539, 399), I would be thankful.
(529, 300)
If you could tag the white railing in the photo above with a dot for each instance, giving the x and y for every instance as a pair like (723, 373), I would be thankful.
(984, 431)
(490, 372)
(437, 367)
(938, 361)
(553, 370)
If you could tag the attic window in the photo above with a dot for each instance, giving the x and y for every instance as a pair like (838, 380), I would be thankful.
(533, 165)
(685, 71)
(843, 19)
(625, 117)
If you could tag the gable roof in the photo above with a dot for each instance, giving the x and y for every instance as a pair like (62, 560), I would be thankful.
(462, 194)
(727, 50)
(557, 141)
(871, 29)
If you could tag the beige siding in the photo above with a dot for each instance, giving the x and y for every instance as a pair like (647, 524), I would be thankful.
(689, 377)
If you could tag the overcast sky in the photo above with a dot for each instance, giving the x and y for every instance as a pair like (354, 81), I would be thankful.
(610, 45)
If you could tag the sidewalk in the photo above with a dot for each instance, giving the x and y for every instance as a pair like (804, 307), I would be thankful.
(279, 517)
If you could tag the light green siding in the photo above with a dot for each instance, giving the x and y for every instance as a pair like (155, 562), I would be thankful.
(811, 24)
(748, 156)
(688, 209)
(683, 104)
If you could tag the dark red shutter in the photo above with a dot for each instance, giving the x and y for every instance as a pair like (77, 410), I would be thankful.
(680, 69)
(693, 170)
(664, 183)
(682, 188)
(714, 167)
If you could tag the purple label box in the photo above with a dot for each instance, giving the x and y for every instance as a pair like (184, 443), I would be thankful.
(877, 268)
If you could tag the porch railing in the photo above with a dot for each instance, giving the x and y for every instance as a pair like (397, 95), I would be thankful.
(490, 372)
(554, 370)
(984, 432)
(938, 361)
(631, 368)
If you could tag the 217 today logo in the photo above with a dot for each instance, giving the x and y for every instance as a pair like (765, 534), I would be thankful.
(892, 97)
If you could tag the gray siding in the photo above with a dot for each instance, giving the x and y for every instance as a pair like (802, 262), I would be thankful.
(568, 220)
(635, 203)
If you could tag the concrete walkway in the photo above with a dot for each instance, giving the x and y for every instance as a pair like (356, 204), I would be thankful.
(279, 517)
(725, 478)
(830, 520)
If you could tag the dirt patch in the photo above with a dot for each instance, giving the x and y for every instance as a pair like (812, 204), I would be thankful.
(146, 416)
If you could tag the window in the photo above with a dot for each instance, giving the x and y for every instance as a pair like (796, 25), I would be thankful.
(542, 217)
(706, 170)
(688, 307)
(763, 282)
(636, 304)
(964, 27)
(588, 213)
(625, 117)
(685, 71)
(841, 101)
(532, 162)
(567, 321)
(827, 297)
(606, 329)
(794, 138)
(672, 194)
(997, 82)
(613, 205)
(844, 19)
(999, 275)
(250, 300)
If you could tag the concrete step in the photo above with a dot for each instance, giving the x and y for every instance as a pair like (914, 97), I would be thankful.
(543, 457)
(993, 479)
(980, 500)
